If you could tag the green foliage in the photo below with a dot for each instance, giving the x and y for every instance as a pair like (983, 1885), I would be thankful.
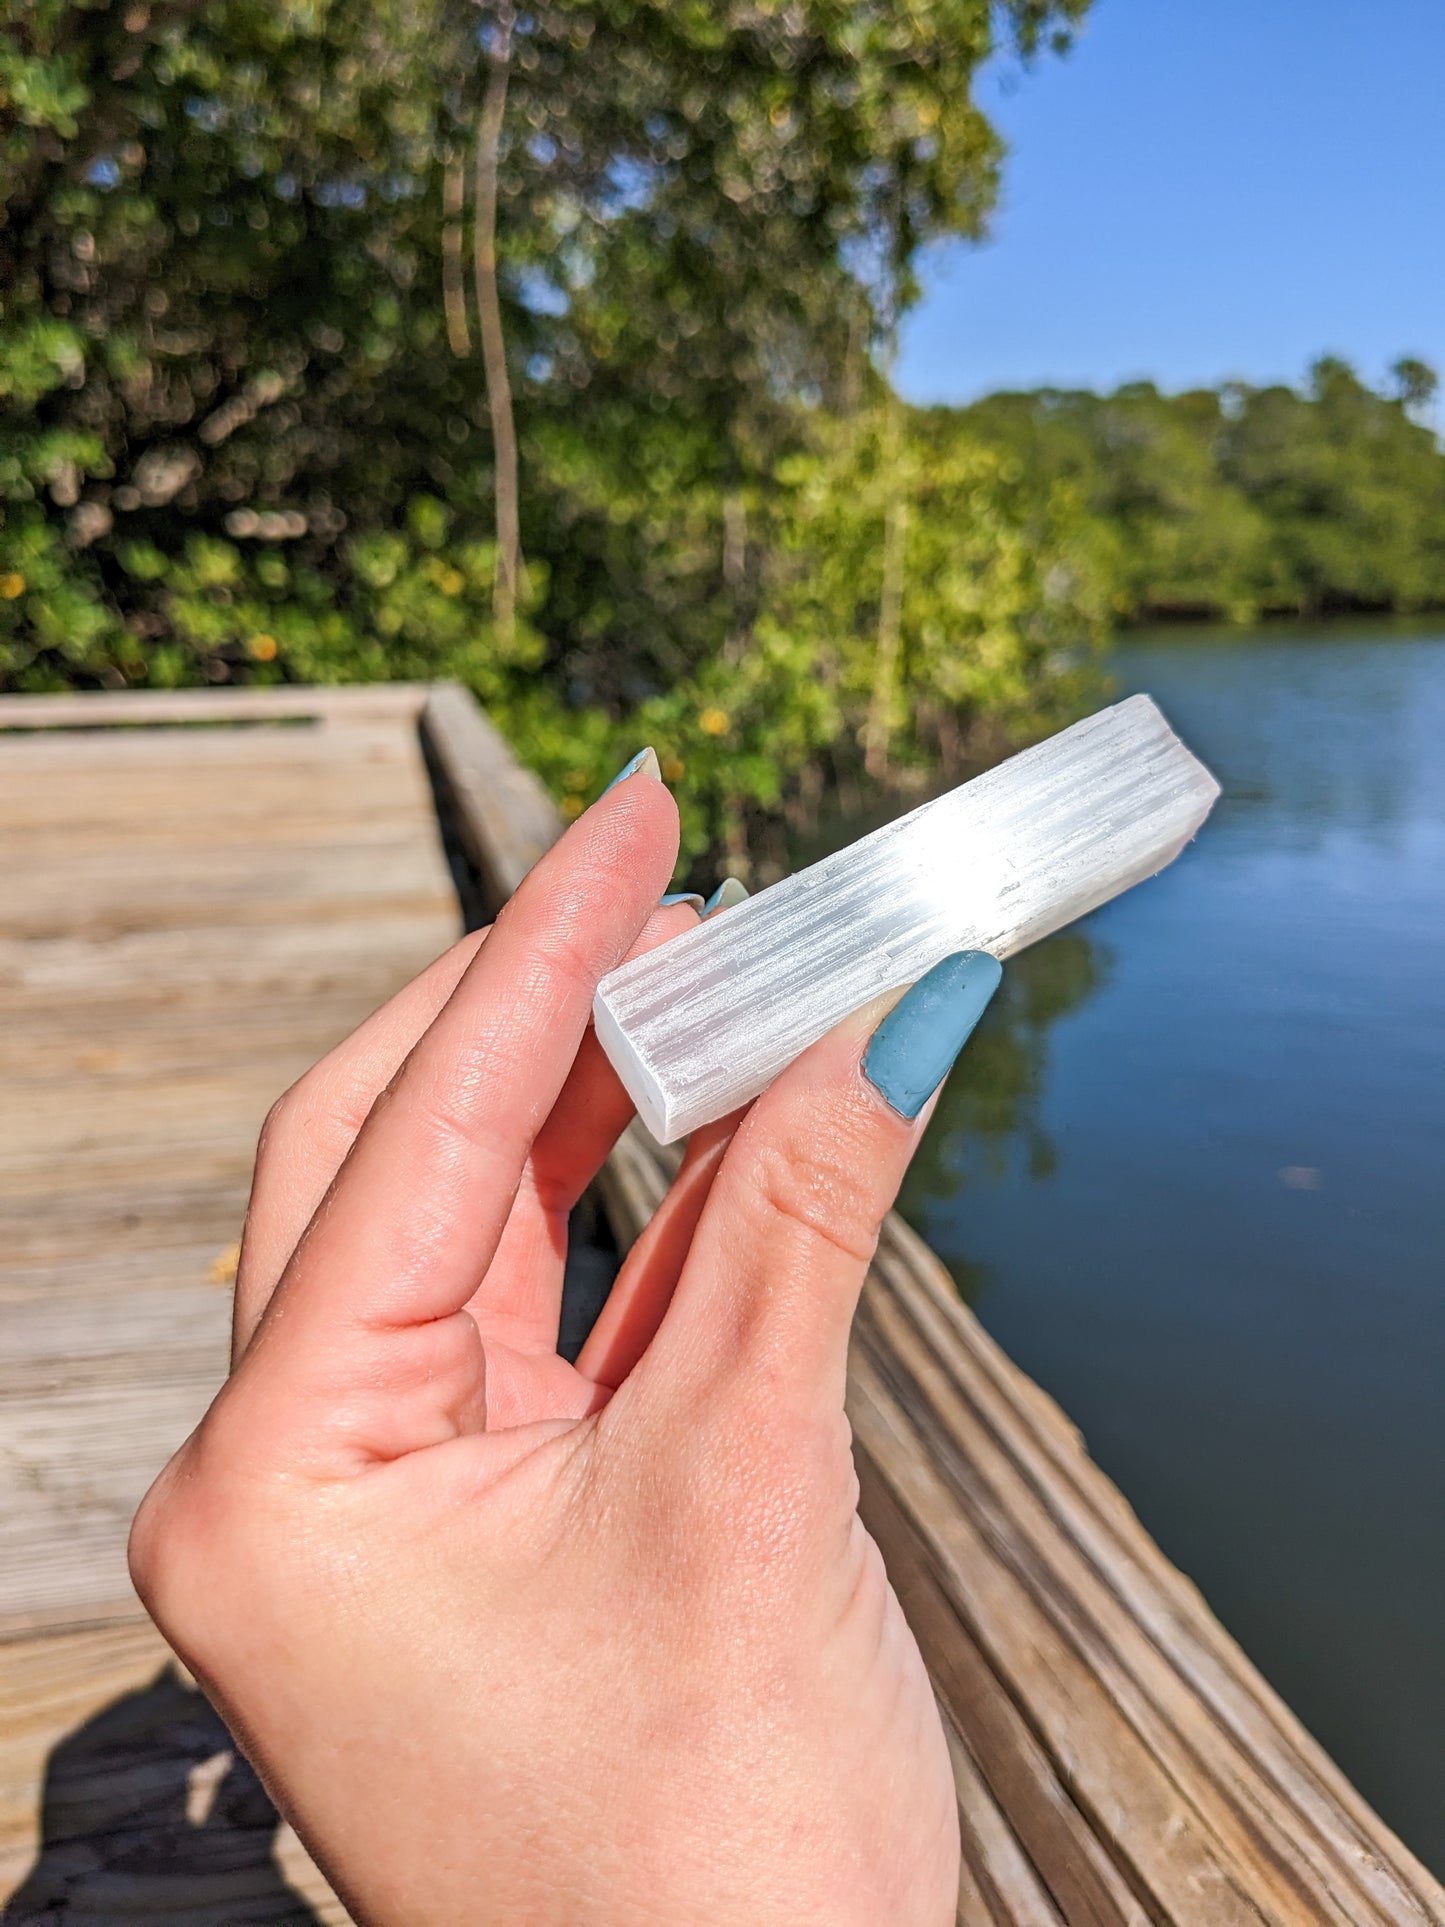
(759, 684)
(244, 430)
(1245, 501)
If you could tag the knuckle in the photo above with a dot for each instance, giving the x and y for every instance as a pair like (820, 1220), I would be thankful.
(562, 956)
(187, 1546)
(806, 1453)
(143, 1552)
(285, 1120)
(456, 1108)
(553, 935)
(322, 1096)
(774, 1483)
(163, 1552)
(813, 1187)
(275, 1125)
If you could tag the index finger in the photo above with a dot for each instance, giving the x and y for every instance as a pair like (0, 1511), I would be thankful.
(408, 1228)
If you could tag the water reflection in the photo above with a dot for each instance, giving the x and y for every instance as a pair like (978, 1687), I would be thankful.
(991, 1113)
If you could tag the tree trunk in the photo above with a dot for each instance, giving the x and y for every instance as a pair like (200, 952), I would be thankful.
(735, 540)
(454, 299)
(878, 731)
(489, 322)
(735, 572)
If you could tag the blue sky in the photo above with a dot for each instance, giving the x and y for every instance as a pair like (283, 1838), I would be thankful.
(1203, 189)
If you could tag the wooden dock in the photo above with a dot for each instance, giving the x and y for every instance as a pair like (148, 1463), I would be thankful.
(198, 895)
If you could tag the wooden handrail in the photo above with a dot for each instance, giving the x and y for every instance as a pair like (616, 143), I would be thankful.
(104, 709)
(503, 816)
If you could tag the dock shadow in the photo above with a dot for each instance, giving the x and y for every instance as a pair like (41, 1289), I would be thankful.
(150, 1813)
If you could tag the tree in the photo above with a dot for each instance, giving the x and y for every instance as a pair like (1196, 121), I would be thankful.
(1416, 383)
(254, 422)
(1242, 500)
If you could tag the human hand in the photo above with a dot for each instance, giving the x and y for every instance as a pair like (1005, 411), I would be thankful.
(513, 1641)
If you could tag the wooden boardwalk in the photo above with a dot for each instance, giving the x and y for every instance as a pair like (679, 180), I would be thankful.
(188, 915)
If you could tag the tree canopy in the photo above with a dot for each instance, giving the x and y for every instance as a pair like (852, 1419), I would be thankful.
(245, 422)
(1242, 501)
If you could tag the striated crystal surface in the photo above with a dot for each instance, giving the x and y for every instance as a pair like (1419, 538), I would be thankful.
(702, 1025)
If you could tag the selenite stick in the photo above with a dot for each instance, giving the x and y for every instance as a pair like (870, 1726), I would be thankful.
(703, 1024)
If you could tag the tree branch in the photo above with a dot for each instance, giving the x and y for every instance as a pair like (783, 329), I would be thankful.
(878, 731)
(489, 322)
(454, 299)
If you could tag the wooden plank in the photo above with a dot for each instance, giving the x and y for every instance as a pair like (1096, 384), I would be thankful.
(152, 1266)
(188, 918)
(102, 709)
(1031, 1844)
(76, 1466)
(65, 1343)
(157, 1214)
(332, 949)
(157, 1038)
(1144, 1819)
(997, 1882)
(137, 1820)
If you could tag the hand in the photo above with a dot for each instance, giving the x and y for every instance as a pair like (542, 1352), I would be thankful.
(512, 1641)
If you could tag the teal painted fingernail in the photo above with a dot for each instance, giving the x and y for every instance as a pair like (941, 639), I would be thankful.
(909, 1054)
(645, 759)
(681, 896)
(728, 892)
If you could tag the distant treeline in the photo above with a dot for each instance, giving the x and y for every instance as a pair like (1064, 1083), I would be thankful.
(1237, 501)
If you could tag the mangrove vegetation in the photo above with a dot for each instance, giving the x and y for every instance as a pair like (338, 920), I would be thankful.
(550, 349)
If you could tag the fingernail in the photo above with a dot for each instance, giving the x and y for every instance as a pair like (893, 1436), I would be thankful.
(728, 892)
(910, 1053)
(645, 759)
(681, 896)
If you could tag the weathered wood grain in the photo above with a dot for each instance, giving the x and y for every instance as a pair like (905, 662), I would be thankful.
(505, 818)
(113, 1795)
(174, 949)
(189, 916)
(128, 709)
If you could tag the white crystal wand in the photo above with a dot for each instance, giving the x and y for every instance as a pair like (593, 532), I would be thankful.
(700, 1026)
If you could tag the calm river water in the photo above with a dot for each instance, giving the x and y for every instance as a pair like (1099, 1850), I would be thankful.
(1191, 1171)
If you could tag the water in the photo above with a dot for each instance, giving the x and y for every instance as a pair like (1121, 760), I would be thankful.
(1192, 1173)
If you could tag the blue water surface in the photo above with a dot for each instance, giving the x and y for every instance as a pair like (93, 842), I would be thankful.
(1210, 1218)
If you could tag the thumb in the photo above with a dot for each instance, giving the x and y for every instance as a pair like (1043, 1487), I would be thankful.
(792, 1219)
